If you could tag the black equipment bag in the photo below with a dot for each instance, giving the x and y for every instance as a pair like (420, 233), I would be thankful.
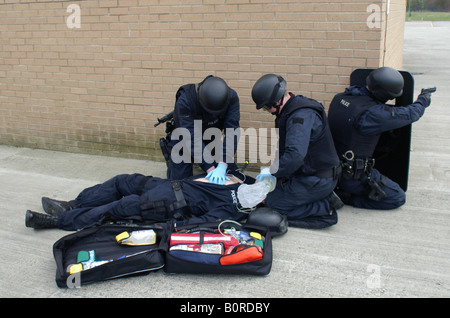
(99, 243)
(194, 249)
(393, 149)
(118, 260)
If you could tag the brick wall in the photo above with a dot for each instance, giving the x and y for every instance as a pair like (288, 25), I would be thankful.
(100, 88)
(393, 35)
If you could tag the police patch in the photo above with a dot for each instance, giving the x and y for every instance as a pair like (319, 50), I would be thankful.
(343, 102)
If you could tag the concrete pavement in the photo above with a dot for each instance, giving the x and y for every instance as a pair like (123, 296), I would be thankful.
(400, 253)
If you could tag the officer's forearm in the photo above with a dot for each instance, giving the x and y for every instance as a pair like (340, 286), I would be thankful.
(288, 164)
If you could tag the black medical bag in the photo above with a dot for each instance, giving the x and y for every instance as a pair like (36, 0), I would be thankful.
(94, 254)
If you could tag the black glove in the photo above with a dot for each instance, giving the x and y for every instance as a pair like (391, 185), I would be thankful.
(425, 99)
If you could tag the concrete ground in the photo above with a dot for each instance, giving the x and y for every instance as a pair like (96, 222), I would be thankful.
(400, 253)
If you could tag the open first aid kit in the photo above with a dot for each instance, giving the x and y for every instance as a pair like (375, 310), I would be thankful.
(224, 248)
(108, 251)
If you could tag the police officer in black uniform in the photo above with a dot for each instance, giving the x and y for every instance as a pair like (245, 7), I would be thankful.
(307, 168)
(357, 118)
(217, 106)
(152, 199)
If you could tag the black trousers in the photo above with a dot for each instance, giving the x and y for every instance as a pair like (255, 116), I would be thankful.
(120, 196)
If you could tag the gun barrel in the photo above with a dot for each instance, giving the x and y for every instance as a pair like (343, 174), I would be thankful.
(165, 118)
(428, 90)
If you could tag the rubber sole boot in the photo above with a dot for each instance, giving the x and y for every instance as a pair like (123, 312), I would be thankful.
(55, 207)
(37, 220)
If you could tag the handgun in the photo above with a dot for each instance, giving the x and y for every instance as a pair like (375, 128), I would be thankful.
(165, 118)
(376, 191)
(428, 90)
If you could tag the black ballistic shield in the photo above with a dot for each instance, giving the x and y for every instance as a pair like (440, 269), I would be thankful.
(392, 153)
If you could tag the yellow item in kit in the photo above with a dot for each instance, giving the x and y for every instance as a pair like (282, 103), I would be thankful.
(256, 235)
(122, 236)
(76, 268)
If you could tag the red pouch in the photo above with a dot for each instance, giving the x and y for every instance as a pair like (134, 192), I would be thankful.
(242, 255)
(200, 238)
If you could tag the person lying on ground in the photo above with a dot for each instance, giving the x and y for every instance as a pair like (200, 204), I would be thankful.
(192, 200)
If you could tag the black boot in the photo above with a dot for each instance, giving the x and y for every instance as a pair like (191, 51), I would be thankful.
(55, 207)
(344, 196)
(335, 201)
(40, 221)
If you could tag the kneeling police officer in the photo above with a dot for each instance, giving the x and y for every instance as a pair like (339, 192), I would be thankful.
(357, 118)
(307, 165)
(215, 105)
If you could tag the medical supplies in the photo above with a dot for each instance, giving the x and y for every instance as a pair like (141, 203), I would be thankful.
(137, 238)
(223, 247)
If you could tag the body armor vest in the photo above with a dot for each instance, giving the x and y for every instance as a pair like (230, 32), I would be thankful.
(345, 110)
(321, 155)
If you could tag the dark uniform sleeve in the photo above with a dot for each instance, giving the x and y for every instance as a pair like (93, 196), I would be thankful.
(301, 127)
(382, 117)
(231, 121)
(184, 116)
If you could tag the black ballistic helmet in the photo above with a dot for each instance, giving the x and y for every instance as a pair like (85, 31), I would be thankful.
(214, 95)
(385, 83)
(268, 90)
(266, 217)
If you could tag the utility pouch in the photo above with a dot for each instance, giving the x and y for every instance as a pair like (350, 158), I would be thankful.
(165, 150)
(165, 209)
(359, 168)
(355, 169)
(155, 211)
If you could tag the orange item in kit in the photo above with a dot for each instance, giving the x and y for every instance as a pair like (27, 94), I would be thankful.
(242, 255)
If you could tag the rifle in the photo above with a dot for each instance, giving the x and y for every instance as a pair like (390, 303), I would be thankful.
(165, 118)
(428, 90)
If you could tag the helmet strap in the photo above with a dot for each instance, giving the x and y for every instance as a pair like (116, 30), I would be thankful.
(278, 107)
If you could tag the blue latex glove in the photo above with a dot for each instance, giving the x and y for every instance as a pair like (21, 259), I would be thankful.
(217, 175)
(263, 174)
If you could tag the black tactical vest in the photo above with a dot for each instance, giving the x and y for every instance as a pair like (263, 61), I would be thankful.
(321, 155)
(345, 110)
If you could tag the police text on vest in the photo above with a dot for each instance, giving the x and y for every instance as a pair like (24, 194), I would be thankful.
(345, 103)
